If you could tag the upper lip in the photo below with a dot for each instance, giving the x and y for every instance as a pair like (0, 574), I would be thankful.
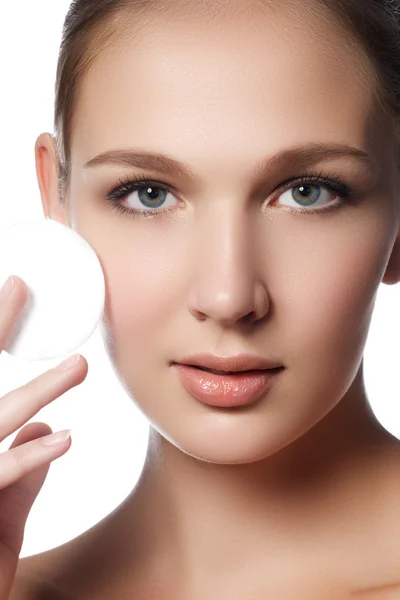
(239, 362)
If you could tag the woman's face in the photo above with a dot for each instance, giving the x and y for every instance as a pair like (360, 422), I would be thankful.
(229, 240)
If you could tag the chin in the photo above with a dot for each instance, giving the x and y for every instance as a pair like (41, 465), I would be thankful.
(218, 439)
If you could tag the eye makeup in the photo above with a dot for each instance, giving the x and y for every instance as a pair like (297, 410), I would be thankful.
(137, 182)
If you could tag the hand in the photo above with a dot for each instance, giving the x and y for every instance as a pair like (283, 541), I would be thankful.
(24, 467)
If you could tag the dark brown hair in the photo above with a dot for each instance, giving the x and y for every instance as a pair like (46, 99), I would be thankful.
(91, 26)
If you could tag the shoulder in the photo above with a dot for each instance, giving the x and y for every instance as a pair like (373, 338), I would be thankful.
(22, 589)
(33, 580)
(33, 587)
(54, 574)
(30, 587)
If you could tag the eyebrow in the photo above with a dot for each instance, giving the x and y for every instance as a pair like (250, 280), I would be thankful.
(299, 156)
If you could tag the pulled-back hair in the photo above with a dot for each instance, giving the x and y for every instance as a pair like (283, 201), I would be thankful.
(91, 26)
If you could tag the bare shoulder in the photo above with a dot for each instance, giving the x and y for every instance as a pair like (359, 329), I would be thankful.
(56, 573)
(22, 589)
(35, 577)
(29, 586)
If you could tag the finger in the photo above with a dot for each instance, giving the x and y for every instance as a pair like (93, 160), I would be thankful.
(23, 471)
(22, 404)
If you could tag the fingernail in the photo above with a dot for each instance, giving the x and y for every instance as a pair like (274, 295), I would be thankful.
(67, 364)
(7, 288)
(56, 438)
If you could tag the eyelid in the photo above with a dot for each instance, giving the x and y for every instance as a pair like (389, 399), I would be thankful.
(141, 181)
(333, 183)
(321, 178)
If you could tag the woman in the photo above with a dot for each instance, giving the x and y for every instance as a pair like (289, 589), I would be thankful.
(235, 166)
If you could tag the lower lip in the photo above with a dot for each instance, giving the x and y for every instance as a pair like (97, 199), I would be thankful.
(225, 391)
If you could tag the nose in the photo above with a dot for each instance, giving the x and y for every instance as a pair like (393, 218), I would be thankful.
(225, 285)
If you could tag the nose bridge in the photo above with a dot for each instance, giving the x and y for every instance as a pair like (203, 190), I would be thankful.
(224, 284)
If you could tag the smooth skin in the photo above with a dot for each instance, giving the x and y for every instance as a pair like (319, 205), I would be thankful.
(24, 467)
(270, 501)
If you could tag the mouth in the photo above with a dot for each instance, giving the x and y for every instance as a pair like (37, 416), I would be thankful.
(225, 389)
(248, 371)
(228, 365)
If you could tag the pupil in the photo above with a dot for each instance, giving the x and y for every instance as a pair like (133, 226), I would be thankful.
(305, 190)
(151, 191)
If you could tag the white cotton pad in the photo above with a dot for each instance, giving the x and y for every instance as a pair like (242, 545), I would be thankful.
(66, 288)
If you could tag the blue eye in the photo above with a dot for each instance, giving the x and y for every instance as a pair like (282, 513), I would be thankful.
(307, 196)
(305, 192)
(151, 194)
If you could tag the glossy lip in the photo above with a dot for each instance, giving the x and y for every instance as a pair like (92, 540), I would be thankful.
(225, 390)
(239, 362)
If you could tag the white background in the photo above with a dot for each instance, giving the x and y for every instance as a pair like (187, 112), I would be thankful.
(109, 434)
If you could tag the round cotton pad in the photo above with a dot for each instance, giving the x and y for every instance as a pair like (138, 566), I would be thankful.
(66, 288)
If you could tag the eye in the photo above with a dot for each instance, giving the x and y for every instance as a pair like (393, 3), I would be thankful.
(147, 197)
(150, 197)
(306, 196)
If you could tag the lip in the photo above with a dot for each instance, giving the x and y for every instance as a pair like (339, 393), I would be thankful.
(225, 391)
(238, 362)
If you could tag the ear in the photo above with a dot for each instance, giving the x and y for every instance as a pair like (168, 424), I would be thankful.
(47, 170)
(392, 273)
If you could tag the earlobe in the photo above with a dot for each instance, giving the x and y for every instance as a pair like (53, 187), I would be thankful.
(47, 174)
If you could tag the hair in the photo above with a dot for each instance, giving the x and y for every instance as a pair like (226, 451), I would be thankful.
(92, 26)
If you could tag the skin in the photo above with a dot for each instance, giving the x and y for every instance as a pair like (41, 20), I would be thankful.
(275, 497)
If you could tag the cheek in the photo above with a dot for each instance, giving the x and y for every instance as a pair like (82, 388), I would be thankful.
(145, 287)
(330, 294)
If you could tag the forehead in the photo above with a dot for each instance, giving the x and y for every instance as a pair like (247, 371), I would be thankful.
(278, 78)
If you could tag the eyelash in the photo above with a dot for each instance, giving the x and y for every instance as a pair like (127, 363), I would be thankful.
(132, 184)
